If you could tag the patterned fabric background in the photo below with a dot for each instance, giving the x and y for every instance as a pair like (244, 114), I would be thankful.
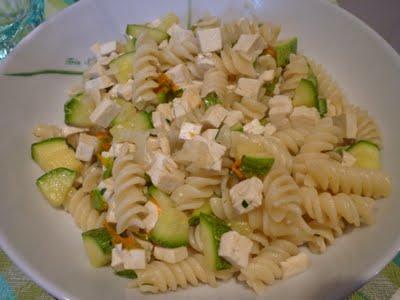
(16, 285)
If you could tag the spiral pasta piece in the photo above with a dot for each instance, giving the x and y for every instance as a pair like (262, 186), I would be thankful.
(145, 71)
(292, 138)
(235, 63)
(222, 207)
(128, 193)
(332, 176)
(78, 204)
(160, 277)
(329, 89)
(214, 81)
(367, 128)
(251, 108)
(44, 131)
(324, 235)
(179, 50)
(327, 208)
(296, 70)
(195, 238)
(265, 268)
(91, 177)
(194, 192)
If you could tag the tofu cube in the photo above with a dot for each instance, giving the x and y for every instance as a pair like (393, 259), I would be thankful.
(295, 265)
(235, 248)
(269, 129)
(189, 131)
(164, 173)
(151, 219)
(348, 123)
(348, 160)
(180, 75)
(304, 116)
(99, 83)
(105, 112)
(267, 76)
(248, 87)
(246, 195)
(87, 145)
(180, 107)
(170, 255)
(108, 47)
(254, 127)
(210, 39)
(250, 45)
(233, 117)
(215, 115)
(210, 134)
(134, 259)
(117, 262)
(192, 97)
(179, 34)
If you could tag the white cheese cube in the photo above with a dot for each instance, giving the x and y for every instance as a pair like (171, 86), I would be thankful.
(251, 45)
(348, 123)
(248, 87)
(210, 39)
(233, 117)
(253, 127)
(134, 259)
(246, 195)
(180, 107)
(105, 112)
(295, 265)
(170, 255)
(151, 219)
(180, 75)
(96, 70)
(189, 131)
(87, 145)
(147, 246)
(348, 160)
(179, 34)
(125, 90)
(99, 83)
(110, 216)
(235, 248)
(192, 97)
(215, 115)
(267, 76)
(164, 173)
(269, 129)
(304, 116)
(108, 47)
(210, 134)
(70, 130)
(117, 262)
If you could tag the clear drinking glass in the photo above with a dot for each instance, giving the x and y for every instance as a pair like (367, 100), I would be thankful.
(18, 18)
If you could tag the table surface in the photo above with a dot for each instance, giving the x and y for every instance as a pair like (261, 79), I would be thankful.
(384, 17)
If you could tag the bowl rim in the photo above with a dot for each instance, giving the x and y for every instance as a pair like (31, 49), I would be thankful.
(58, 291)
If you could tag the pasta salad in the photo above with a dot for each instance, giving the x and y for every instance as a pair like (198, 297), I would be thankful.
(196, 155)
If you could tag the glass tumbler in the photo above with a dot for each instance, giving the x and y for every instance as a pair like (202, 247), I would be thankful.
(18, 18)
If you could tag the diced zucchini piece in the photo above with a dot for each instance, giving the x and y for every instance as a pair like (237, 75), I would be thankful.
(130, 44)
(128, 111)
(139, 122)
(255, 165)
(55, 153)
(77, 111)
(130, 274)
(98, 201)
(56, 184)
(98, 246)
(169, 20)
(134, 30)
(171, 229)
(211, 99)
(212, 229)
(367, 155)
(283, 50)
(306, 94)
(237, 127)
(122, 66)
(195, 217)
(162, 199)
(322, 107)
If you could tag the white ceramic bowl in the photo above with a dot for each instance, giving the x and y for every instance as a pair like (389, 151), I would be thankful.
(45, 243)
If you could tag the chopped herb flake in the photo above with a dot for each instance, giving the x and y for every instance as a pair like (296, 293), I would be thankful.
(245, 204)
(211, 99)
